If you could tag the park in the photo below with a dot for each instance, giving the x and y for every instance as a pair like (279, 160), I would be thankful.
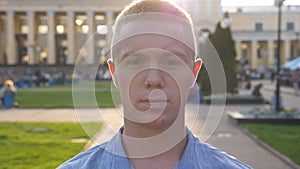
(58, 106)
(20, 129)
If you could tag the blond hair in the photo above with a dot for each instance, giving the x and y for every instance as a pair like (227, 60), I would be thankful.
(159, 6)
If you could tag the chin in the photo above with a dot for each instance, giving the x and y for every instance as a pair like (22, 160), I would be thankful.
(162, 122)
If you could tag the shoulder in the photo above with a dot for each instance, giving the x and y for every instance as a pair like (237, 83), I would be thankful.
(86, 159)
(215, 158)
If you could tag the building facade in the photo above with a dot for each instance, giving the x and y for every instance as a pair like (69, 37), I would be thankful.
(255, 35)
(54, 32)
(42, 32)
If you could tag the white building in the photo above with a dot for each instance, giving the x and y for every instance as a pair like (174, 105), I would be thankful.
(52, 32)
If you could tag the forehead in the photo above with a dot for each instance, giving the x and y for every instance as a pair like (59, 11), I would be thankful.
(151, 41)
(138, 35)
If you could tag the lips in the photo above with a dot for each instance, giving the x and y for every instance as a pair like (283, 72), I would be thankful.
(154, 103)
(154, 100)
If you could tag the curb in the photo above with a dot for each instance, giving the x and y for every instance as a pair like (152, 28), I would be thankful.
(270, 149)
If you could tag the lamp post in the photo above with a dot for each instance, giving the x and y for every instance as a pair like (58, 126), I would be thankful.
(279, 4)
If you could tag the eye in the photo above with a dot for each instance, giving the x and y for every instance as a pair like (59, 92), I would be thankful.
(135, 62)
(172, 62)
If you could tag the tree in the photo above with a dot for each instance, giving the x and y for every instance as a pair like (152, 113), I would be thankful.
(222, 41)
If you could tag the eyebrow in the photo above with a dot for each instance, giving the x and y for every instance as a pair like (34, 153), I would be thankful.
(129, 52)
(183, 51)
(179, 53)
(124, 54)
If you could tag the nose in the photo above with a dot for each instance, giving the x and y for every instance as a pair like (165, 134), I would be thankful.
(154, 79)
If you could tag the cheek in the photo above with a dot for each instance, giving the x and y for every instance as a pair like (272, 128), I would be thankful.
(181, 82)
(133, 90)
(123, 84)
(129, 88)
(182, 88)
(175, 89)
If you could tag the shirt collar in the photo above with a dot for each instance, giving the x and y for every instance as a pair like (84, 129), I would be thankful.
(115, 147)
(188, 156)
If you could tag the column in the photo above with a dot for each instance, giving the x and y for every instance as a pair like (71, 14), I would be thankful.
(270, 54)
(287, 50)
(91, 38)
(295, 52)
(109, 19)
(1, 44)
(31, 48)
(11, 42)
(51, 38)
(71, 38)
(238, 49)
(254, 54)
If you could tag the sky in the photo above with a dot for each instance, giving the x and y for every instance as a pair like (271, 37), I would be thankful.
(256, 2)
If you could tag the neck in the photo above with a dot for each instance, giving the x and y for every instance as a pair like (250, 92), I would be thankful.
(155, 128)
(146, 145)
(166, 160)
(138, 130)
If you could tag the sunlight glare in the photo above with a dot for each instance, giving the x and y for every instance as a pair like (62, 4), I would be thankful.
(291, 2)
(256, 2)
(247, 3)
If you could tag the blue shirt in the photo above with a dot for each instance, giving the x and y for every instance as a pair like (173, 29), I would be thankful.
(197, 155)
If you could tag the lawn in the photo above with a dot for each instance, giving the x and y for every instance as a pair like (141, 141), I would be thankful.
(283, 138)
(60, 99)
(98, 84)
(49, 97)
(23, 147)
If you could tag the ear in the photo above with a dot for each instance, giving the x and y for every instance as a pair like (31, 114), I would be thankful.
(197, 67)
(111, 66)
(195, 71)
(112, 70)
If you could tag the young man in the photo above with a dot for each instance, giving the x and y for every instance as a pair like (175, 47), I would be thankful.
(154, 65)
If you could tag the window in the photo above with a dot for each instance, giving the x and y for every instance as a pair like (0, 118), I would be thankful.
(60, 29)
(24, 26)
(43, 29)
(24, 29)
(290, 26)
(102, 29)
(101, 43)
(99, 17)
(85, 29)
(258, 26)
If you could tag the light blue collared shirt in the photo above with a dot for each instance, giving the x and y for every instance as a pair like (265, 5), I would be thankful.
(111, 155)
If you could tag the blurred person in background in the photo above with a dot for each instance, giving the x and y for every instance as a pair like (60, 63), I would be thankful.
(8, 88)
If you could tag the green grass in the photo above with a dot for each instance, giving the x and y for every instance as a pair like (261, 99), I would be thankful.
(102, 84)
(61, 99)
(283, 138)
(21, 148)
(98, 84)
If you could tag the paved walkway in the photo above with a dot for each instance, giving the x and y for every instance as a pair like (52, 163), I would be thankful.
(267, 85)
(227, 136)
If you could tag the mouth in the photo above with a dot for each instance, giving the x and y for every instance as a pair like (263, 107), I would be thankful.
(155, 100)
(155, 103)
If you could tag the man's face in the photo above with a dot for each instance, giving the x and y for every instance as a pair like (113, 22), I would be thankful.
(154, 74)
